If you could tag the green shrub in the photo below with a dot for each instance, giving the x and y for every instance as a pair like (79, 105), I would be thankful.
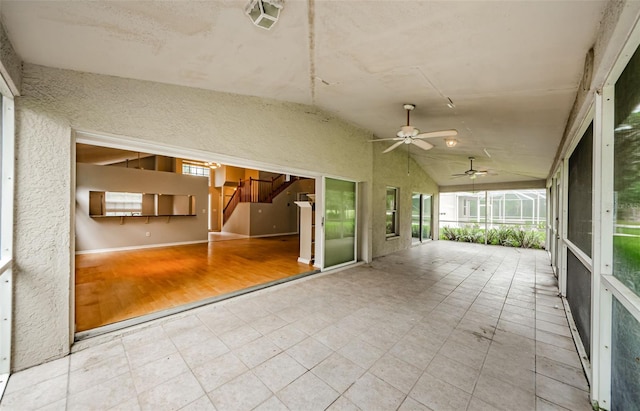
(507, 236)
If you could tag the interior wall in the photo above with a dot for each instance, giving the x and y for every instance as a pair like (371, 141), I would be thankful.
(390, 170)
(280, 216)
(285, 136)
(114, 232)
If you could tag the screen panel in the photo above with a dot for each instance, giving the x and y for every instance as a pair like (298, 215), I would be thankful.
(580, 189)
(626, 241)
(625, 359)
(579, 298)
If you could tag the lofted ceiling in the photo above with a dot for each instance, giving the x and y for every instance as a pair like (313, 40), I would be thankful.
(511, 68)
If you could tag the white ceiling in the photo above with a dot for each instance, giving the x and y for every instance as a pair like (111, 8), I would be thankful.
(512, 68)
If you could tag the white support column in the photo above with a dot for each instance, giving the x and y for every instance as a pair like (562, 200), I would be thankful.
(6, 238)
(603, 226)
(564, 204)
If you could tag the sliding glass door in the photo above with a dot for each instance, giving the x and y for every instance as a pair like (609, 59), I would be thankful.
(339, 222)
(420, 217)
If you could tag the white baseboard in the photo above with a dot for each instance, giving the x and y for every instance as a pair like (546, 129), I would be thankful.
(139, 247)
(272, 235)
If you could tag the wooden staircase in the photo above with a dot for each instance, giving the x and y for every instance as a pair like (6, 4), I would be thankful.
(257, 191)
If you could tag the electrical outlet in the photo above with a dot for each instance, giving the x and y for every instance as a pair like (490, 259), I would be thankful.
(148, 234)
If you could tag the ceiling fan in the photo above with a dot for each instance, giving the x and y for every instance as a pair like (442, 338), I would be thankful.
(471, 172)
(411, 135)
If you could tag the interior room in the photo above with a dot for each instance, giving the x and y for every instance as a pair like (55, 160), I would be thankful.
(178, 234)
(464, 234)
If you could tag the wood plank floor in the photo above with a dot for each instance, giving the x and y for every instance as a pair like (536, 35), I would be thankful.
(116, 286)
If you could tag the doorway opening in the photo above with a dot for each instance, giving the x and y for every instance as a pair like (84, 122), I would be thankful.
(156, 234)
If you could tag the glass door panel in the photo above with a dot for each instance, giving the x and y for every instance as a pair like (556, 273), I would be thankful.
(416, 218)
(426, 217)
(339, 222)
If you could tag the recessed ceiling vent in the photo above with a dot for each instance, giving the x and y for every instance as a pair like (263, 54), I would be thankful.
(264, 13)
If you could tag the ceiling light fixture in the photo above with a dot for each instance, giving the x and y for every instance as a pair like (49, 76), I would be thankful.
(450, 142)
(264, 13)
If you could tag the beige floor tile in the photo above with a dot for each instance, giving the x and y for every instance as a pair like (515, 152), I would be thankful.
(272, 404)
(59, 405)
(219, 371)
(267, 324)
(158, 371)
(257, 351)
(502, 395)
(334, 337)
(173, 394)
(279, 371)
(204, 352)
(361, 353)
(476, 404)
(219, 320)
(308, 393)
(201, 404)
(544, 405)
(409, 404)
(243, 393)
(105, 395)
(83, 378)
(131, 405)
(37, 395)
(568, 357)
(454, 373)
(439, 395)
(552, 318)
(343, 404)
(193, 336)
(309, 352)
(399, 374)
(555, 339)
(553, 328)
(462, 353)
(239, 337)
(92, 355)
(370, 392)
(143, 336)
(287, 336)
(32, 376)
(561, 394)
(338, 372)
(562, 372)
(181, 324)
(140, 355)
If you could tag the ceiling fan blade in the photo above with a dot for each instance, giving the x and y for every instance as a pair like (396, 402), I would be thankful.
(394, 145)
(441, 133)
(422, 144)
(386, 139)
(481, 173)
(459, 175)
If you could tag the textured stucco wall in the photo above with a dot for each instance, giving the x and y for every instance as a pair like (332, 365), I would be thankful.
(390, 170)
(55, 101)
(42, 240)
(10, 63)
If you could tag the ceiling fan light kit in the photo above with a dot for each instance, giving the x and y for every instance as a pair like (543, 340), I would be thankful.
(411, 135)
(471, 172)
(450, 142)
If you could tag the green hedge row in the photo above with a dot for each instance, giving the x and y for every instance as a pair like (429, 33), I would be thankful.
(508, 236)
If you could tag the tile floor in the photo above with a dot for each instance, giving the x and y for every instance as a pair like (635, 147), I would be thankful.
(442, 326)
